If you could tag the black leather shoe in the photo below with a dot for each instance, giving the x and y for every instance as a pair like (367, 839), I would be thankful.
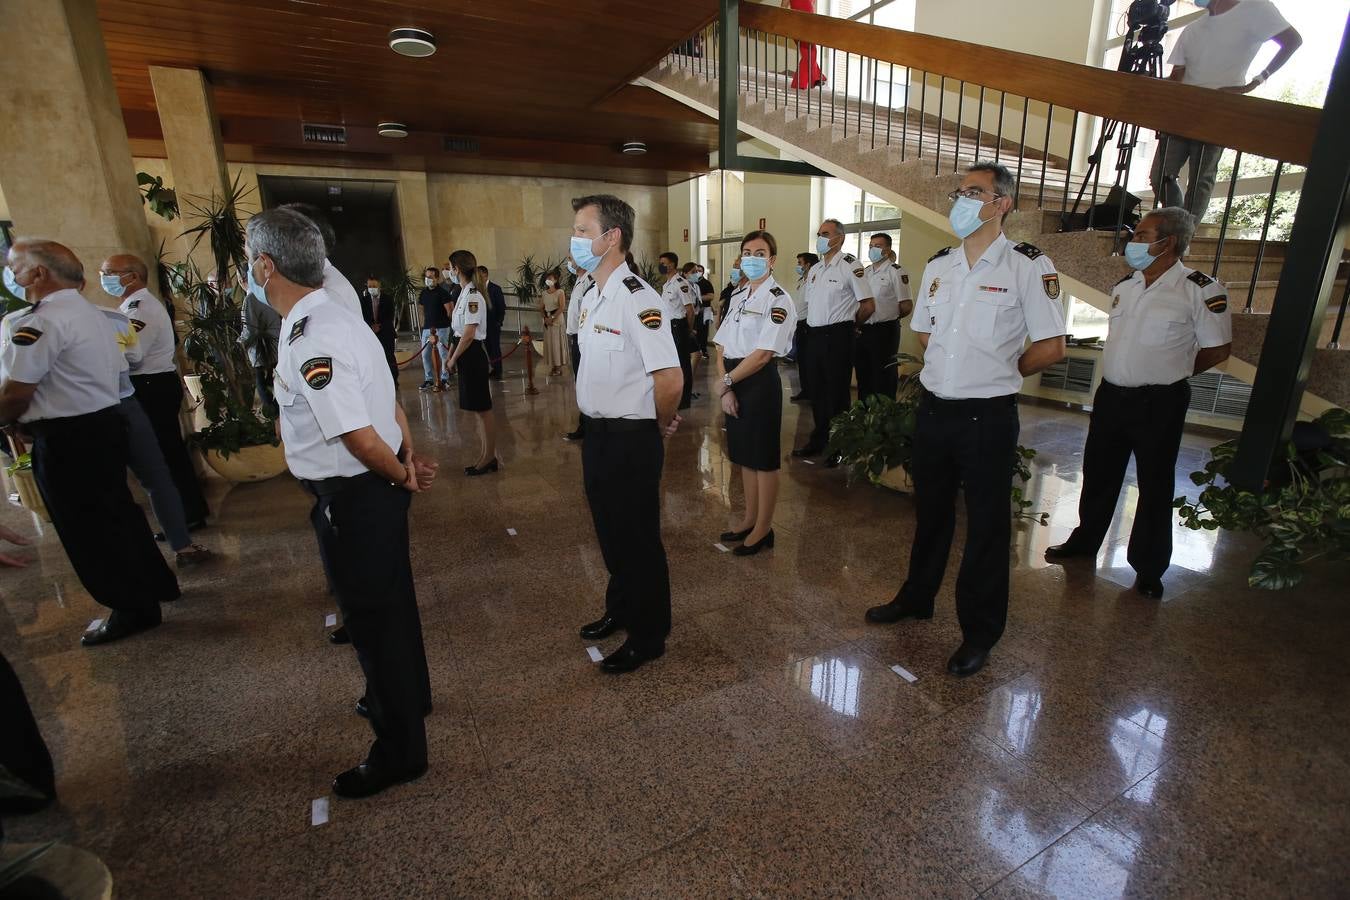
(627, 659)
(764, 543)
(728, 536)
(472, 471)
(363, 781)
(574, 435)
(967, 660)
(798, 398)
(896, 610)
(1068, 551)
(1151, 588)
(834, 460)
(808, 450)
(114, 629)
(600, 628)
(339, 635)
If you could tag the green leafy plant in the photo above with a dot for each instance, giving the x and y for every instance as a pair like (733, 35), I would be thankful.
(162, 201)
(528, 283)
(404, 288)
(24, 463)
(1302, 511)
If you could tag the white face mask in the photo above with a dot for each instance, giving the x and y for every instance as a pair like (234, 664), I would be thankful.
(550, 282)
(429, 282)
(447, 274)
(374, 293)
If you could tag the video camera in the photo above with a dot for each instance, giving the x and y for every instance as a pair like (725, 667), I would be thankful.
(1146, 26)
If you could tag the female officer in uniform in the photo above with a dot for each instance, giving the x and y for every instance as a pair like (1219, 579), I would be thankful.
(469, 323)
(758, 328)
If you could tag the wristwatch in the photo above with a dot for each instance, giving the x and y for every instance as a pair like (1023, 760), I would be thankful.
(726, 379)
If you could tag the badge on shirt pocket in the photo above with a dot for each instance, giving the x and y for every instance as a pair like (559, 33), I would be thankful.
(317, 372)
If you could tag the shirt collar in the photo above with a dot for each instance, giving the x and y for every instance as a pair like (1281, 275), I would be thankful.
(994, 254)
(304, 307)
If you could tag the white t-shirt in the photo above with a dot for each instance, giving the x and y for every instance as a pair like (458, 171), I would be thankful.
(1217, 50)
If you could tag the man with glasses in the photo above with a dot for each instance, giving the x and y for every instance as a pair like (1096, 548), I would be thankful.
(978, 306)
(838, 300)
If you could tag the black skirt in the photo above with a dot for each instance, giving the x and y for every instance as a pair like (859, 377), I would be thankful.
(474, 368)
(753, 436)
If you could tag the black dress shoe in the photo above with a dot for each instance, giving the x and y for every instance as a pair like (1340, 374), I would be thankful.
(601, 628)
(798, 398)
(473, 471)
(808, 450)
(1149, 587)
(834, 460)
(115, 628)
(728, 536)
(627, 659)
(1067, 550)
(896, 610)
(364, 781)
(967, 660)
(764, 543)
(339, 635)
(574, 435)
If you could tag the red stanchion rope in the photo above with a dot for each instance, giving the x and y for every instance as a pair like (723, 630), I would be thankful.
(418, 354)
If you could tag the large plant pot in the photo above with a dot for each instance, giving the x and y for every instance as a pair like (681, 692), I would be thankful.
(897, 479)
(26, 486)
(249, 464)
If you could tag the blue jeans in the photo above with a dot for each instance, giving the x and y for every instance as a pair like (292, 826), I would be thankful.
(428, 365)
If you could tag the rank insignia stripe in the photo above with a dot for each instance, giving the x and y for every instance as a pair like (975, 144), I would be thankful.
(317, 372)
(297, 329)
(134, 304)
(1200, 278)
(777, 291)
(473, 306)
(941, 253)
(632, 283)
(1030, 251)
(650, 318)
(1217, 304)
(138, 325)
(1051, 285)
(778, 314)
(26, 336)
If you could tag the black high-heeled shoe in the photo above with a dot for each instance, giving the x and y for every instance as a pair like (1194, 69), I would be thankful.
(751, 549)
(728, 536)
(471, 471)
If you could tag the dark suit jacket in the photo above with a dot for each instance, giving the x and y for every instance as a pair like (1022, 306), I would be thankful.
(496, 305)
(386, 312)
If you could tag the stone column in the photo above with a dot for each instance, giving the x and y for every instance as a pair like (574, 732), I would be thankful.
(414, 215)
(65, 164)
(191, 131)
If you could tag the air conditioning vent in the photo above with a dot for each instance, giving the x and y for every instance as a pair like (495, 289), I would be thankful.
(1217, 394)
(1073, 374)
(324, 134)
(460, 145)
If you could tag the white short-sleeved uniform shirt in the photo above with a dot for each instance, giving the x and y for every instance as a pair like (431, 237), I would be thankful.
(979, 318)
(584, 283)
(761, 318)
(676, 294)
(799, 299)
(331, 378)
(151, 320)
(68, 348)
(470, 309)
(625, 337)
(890, 288)
(340, 290)
(1217, 50)
(130, 346)
(834, 289)
(1156, 330)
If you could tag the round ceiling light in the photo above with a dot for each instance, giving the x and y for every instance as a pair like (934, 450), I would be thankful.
(635, 147)
(415, 42)
(392, 130)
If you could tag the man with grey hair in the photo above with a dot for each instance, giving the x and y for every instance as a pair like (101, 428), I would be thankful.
(1168, 322)
(59, 370)
(348, 443)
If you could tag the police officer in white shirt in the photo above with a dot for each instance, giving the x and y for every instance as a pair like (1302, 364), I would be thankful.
(61, 364)
(838, 300)
(801, 348)
(335, 284)
(584, 282)
(1168, 322)
(980, 303)
(879, 336)
(347, 442)
(469, 322)
(1215, 52)
(628, 387)
(680, 297)
(159, 387)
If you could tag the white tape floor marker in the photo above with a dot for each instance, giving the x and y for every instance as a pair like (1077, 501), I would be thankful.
(330, 620)
(595, 654)
(95, 625)
(318, 811)
(511, 531)
(904, 673)
(809, 462)
(722, 547)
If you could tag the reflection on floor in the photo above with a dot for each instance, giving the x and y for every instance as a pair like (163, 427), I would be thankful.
(1114, 747)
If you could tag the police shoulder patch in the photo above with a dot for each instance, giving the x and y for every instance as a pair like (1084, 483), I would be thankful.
(26, 335)
(297, 329)
(1051, 285)
(138, 325)
(685, 288)
(778, 314)
(1217, 304)
(650, 318)
(317, 372)
(777, 291)
(858, 272)
(941, 253)
(1030, 251)
(632, 283)
(1200, 278)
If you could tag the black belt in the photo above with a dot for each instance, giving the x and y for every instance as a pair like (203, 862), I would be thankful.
(849, 324)
(59, 425)
(619, 426)
(1145, 388)
(327, 487)
(148, 375)
(884, 322)
(974, 404)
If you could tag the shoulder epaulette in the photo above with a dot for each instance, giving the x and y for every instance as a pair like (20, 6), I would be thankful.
(1030, 251)
(133, 304)
(895, 265)
(632, 283)
(849, 257)
(941, 253)
(777, 291)
(297, 329)
(1123, 280)
(1200, 278)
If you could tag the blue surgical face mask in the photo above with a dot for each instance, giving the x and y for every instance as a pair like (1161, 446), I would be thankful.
(112, 285)
(754, 267)
(13, 286)
(1203, 4)
(735, 276)
(257, 290)
(822, 245)
(965, 216)
(876, 254)
(1137, 255)
(583, 253)
(571, 267)
(801, 271)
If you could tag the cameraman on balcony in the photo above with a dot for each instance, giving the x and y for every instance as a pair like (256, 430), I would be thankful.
(1216, 52)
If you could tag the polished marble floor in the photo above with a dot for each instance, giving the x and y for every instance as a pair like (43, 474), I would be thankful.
(1115, 746)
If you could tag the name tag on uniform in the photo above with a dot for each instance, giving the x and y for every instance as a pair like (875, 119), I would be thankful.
(605, 329)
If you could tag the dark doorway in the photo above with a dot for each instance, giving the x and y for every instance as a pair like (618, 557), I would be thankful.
(364, 216)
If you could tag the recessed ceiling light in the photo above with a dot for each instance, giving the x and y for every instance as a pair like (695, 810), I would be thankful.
(393, 130)
(412, 42)
(635, 147)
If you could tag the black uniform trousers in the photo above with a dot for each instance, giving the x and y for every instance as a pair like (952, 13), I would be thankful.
(575, 346)
(877, 346)
(102, 529)
(387, 337)
(22, 749)
(700, 331)
(362, 524)
(621, 469)
(970, 445)
(802, 356)
(679, 330)
(831, 367)
(161, 395)
(1146, 421)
